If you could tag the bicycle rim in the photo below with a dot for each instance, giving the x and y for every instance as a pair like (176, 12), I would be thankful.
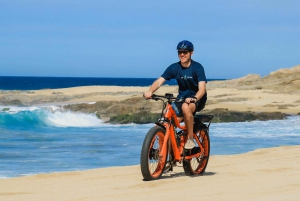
(156, 166)
(152, 164)
(197, 165)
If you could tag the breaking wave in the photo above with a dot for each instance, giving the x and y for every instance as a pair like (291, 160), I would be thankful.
(46, 116)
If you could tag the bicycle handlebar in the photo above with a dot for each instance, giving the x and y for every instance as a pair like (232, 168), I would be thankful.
(167, 96)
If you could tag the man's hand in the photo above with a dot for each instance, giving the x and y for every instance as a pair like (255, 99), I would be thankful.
(190, 100)
(148, 94)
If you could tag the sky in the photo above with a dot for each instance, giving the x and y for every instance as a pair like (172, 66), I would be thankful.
(138, 39)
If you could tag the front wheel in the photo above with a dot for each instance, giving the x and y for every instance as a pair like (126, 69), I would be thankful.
(197, 165)
(152, 164)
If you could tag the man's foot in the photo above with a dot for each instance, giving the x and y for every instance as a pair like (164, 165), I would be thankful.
(189, 144)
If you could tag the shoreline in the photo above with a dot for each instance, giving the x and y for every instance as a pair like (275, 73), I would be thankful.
(262, 174)
(277, 92)
(230, 98)
(123, 105)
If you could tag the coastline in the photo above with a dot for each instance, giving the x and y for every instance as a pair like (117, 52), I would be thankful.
(277, 92)
(233, 99)
(263, 174)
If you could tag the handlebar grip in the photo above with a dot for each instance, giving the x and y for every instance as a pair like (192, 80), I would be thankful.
(152, 97)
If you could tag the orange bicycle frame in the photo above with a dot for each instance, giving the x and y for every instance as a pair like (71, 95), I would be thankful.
(170, 120)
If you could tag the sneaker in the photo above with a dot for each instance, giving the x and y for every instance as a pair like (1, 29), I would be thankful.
(189, 144)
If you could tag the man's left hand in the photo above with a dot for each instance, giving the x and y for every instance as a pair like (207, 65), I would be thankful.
(190, 100)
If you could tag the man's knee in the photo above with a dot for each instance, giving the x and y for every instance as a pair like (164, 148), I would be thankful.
(188, 109)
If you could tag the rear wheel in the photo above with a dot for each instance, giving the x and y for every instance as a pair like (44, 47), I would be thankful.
(197, 165)
(152, 165)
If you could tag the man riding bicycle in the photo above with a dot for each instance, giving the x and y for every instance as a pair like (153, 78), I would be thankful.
(191, 80)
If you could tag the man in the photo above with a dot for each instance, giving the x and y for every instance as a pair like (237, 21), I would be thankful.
(191, 80)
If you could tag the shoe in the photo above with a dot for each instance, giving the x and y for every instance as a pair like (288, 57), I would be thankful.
(189, 144)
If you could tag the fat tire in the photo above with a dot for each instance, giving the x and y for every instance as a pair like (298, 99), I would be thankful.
(189, 166)
(150, 154)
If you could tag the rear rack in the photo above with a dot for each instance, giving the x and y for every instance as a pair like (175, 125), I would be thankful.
(204, 118)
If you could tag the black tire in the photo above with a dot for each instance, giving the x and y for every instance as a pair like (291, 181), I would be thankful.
(198, 165)
(152, 165)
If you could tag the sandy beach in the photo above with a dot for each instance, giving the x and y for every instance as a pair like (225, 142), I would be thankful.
(264, 174)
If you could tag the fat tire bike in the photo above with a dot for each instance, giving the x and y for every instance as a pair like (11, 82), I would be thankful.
(163, 145)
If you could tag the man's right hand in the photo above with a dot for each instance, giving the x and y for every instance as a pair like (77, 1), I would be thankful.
(156, 84)
(148, 94)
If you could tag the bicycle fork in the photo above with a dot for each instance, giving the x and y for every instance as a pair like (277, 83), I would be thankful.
(163, 154)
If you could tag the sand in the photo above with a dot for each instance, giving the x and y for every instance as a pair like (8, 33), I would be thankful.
(265, 174)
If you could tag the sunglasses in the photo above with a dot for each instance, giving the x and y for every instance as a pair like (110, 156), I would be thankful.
(183, 52)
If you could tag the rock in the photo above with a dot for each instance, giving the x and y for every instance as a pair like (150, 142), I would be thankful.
(286, 81)
(220, 115)
(141, 117)
(119, 110)
(15, 102)
(140, 111)
(224, 115)
(5, 109)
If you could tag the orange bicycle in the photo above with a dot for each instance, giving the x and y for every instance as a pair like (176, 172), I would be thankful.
(163, 145)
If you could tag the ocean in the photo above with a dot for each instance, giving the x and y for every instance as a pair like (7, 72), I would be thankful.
(36, 83)
(45, 139)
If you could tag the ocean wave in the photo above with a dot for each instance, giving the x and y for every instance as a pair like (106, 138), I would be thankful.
(71, 119)
(46, 116)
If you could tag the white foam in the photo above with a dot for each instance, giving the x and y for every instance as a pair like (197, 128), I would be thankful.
(71, 119)
(258, 129)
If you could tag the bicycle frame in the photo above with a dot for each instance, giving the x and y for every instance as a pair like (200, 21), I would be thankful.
(169, 122)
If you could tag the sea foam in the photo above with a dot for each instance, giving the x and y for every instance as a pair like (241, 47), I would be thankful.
(71, 119)
(46, 116)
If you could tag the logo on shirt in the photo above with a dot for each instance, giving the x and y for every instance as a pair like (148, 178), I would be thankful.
(186, 77)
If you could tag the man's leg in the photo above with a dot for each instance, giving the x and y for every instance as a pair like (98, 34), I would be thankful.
(188, 110)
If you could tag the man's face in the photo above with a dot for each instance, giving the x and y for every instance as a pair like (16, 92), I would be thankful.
(184, 56)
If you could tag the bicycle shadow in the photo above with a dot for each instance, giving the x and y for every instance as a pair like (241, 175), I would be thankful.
(178, 173)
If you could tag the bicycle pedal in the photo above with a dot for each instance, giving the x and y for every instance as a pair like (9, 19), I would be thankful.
(168, 168)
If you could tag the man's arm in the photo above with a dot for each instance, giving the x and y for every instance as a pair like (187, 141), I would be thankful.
(201, 90)
(156, 84)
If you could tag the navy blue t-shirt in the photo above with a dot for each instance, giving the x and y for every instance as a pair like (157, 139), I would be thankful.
(187, 78)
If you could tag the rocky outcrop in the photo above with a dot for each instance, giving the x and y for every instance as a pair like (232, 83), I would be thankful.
(140, 111)
(221, 115)
(285, 80)
(225, 115)
(121, 111)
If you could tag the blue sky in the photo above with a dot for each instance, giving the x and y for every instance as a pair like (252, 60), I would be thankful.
(130, 38)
